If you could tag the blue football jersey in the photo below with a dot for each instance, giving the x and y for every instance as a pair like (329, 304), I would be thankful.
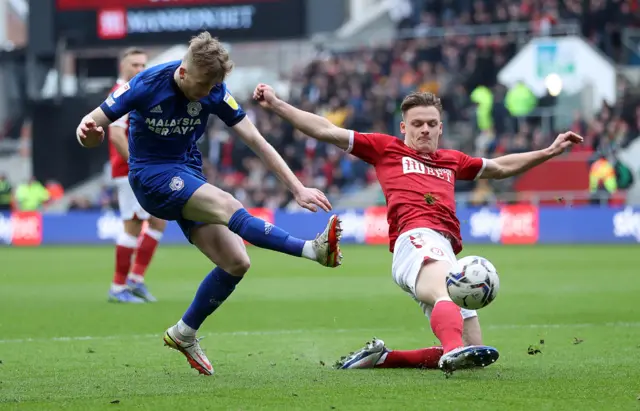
(163, 124)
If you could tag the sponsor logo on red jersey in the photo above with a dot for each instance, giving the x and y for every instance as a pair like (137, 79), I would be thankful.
(411, 165)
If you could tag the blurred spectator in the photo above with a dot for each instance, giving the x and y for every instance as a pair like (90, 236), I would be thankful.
(80, 204)
(55, 190)
(30, 196)
(108, 198)
(6, 192)
(602, 179)
(520, 100)
(602, 21)
(362, 89)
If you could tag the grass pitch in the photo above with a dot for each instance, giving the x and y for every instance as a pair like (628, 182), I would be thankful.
(62, 346)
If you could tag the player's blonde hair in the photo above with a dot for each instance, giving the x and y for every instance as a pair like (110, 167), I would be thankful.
(209, 56)
(420, 99)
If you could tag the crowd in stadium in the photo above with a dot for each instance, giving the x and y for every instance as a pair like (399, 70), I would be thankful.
(362, 89)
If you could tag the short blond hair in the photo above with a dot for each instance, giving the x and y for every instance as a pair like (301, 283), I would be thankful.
(209, 56)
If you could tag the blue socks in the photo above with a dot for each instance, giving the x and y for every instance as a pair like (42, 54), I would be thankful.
(213, 290)
(263, 234)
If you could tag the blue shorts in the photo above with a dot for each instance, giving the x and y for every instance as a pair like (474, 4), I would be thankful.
(164, 189)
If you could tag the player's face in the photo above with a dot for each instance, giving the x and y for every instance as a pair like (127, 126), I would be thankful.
(132, 65)
(422, 128)
(196, 85)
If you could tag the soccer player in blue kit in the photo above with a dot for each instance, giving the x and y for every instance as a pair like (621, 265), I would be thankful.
(168, 107)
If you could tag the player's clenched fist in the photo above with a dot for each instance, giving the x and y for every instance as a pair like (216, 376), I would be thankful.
(89, 134)
(265, 95)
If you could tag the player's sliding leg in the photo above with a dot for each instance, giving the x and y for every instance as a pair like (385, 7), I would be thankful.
(126, 244)
(429, 357)
(376, 355)
(447, 321)
(147, 244)
(421, 261)
(472, 334)
(209, 204)
(227, 251)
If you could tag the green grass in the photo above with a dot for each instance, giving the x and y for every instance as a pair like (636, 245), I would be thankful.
(274, 341)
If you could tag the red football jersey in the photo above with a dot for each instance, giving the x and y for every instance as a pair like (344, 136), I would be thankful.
(119, 166)
(419, 189)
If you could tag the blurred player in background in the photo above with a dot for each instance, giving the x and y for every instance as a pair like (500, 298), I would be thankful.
(168, 108)
(128, 284)
(418, 182)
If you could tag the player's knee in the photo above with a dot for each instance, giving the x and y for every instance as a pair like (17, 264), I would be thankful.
(224, 205)
(209, 204)
(157, 224)
(229, 205)
(238, 266)
(133, 227)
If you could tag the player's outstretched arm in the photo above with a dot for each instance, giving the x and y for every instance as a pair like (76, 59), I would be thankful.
(92, 127)
(514, 164)
(308, 198)
(310, 124)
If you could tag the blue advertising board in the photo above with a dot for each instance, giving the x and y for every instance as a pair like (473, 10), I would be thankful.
(508, 225)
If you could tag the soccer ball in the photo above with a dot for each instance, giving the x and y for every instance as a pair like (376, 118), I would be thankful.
(474, 283)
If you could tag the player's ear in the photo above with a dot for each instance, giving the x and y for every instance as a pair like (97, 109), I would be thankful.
(181, 72)
(403, 128)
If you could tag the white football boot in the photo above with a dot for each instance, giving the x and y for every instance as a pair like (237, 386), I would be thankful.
(366, 357)
(190, 349)
(472, 356)
(327, 244)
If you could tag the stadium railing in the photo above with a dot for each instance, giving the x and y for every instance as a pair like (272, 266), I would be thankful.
(522, 32)
(556, 199)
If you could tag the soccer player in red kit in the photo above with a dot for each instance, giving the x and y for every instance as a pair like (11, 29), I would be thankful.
(133, 244)
(418, 182)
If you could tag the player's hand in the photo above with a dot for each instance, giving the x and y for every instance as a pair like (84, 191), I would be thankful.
(88, 129)
(265, 95)
(564, 141)
(311, 199)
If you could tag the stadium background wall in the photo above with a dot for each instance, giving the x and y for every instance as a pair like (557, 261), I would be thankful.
(56, 153)
(514, 224)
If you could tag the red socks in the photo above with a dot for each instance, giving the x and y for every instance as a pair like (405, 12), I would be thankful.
(422, 358)
(447, 324)
(144, 247)
(123, 263)
(147, 246)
